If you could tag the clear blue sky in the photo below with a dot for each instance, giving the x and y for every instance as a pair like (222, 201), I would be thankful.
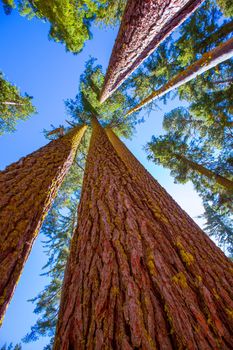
(44, 70)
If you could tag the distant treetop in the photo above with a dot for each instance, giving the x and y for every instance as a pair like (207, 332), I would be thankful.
(13, 106)
(70, 20)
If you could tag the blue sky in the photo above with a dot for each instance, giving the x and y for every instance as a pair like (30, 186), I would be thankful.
(43, 69)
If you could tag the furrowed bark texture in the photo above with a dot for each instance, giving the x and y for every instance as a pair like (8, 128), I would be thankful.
(141, 274)
(145, 24)
(27, 189)
(209, 60)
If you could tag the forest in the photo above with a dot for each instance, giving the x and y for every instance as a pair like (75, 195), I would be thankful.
(116, 174)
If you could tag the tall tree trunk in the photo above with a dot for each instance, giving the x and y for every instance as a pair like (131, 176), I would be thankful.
(27, 189)
(223, 181)
(209, 60)
(145, 24)
(141, 274)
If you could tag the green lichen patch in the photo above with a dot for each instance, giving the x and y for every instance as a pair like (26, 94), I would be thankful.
(180, 279)
(187, 258)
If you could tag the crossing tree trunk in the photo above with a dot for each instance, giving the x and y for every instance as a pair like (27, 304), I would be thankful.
(145, 24)
(27, 189)
(209, 60)
(141, 274)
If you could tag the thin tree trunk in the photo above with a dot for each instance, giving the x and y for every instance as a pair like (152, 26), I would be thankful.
(144, 26)
(27, 189)
(209, 60)
(223, 181)
(229, 80)
(12, 103)
(220, 33)
(141, 274)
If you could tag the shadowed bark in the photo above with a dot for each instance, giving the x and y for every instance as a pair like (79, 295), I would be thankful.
(209, 60)
(141, 274)
(27, 189)
(145, 24)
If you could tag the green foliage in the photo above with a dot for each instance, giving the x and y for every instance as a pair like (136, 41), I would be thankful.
(112, 112)
(202, 32)
(202, 132)
(226, 6)
(219, 226)
(13, 106)
(70, 20)
(8, 5)
(11, 347)
(182, 149)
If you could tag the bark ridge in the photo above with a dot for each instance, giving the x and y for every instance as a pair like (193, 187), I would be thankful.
(27, 189)
(145, 24)
(141, 274)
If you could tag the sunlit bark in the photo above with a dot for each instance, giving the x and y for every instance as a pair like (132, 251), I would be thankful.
(209, 60)
(27, 189)
(145, 24)
(141, 274)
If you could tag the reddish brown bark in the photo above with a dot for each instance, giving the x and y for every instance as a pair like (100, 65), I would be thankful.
(141, 274)
(145, 24)
(27, 189)
(209, 60)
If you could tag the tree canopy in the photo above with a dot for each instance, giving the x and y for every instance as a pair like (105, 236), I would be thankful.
(195, 145)
(70, 20)
(13, 106)
(111, 113)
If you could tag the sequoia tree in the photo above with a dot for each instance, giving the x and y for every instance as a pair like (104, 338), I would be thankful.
(204, 31)
(58, 228)
(209, 60)
(197, 150)
(141, 274)
(144, 26)
(27, 189)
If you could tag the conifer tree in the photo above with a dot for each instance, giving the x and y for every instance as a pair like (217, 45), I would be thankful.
(111, 112)
(70, 20)
(141, 274)
(197, 151)
(203, 32)
(173, 152)
(144, 26)
(219, 226)
(13, 106)
(27, 189)
(209, 60)
(57, 227)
